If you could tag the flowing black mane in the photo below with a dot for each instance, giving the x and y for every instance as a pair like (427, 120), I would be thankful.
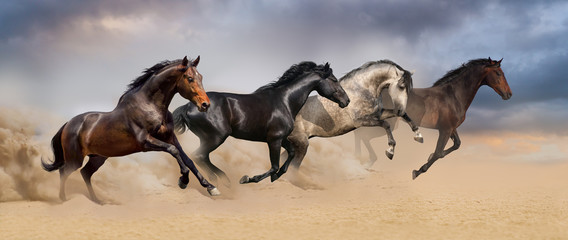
(149, 72)
(292, 74)
(453, 74)
(407, 76)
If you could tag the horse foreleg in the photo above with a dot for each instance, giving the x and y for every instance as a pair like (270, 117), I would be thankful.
(213, 191)
(154, 144)
(94, 163)
(392, 143)
(417, 135)
(274, 150)
(443, 138)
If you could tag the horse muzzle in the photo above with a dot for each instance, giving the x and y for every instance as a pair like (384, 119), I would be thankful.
(343, 101)
(343, 104)
(203, 107)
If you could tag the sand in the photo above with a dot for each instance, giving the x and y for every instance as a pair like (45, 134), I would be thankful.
(331, 197)
(381, 205)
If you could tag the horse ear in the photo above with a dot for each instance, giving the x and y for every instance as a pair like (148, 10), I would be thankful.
(196, 61)
(184, 62)
(499, 62)
(490, 61)
(326, 67)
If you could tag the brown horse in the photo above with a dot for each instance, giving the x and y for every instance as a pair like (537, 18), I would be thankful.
(443, 106)
(140, 122)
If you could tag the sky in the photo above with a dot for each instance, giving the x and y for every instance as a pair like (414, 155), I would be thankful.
(67, 57)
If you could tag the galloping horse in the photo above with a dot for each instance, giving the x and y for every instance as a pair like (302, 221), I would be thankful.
(266, 115)
(320, 118)
(443, 106)
(140, 122)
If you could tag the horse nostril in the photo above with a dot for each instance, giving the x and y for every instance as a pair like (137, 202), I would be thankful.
(205, 105)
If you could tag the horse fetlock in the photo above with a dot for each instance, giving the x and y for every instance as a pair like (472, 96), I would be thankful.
(418, 137)
(214, 191)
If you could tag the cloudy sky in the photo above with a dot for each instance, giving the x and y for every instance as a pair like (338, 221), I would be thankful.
(69, 57)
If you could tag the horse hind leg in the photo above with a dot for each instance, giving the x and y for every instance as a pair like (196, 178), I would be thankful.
(291, 154)
(94, 163)
(64, 173)
(443, 138)
(457, 142)
(202, 159)
(73, 161)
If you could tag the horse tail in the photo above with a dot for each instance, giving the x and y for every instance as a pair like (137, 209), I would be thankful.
(59, 160)
(181, 119)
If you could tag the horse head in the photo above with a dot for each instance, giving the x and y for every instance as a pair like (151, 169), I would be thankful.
(495, 78)
(329, 87)
(398, 86)
(190, 86)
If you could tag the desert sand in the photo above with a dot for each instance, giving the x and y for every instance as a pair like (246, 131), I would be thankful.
(463, 196)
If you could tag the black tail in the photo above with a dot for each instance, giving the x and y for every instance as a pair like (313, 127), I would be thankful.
(59, 160)
(181, 119)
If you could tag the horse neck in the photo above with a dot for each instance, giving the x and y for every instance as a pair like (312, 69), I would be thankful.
(467, 86)
(296, 93)
(369, 81)
(159, 91)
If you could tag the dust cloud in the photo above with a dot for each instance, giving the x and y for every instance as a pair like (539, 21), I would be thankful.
(21, 137)
(25, 138)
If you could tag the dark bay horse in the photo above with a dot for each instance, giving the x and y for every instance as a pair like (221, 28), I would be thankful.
(140, 122)
(266, 115)
(443, 106)
(320, 118)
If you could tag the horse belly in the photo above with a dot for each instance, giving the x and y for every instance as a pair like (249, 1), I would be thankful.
(251, 135)
(109, 142)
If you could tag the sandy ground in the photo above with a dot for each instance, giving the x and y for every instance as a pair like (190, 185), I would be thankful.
(461, 197)
(531, 204)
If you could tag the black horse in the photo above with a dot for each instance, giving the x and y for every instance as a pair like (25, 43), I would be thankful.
(266, 115)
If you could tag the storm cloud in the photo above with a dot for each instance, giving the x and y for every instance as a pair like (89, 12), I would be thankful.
(73, 56)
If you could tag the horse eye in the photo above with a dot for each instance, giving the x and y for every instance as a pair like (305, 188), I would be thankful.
(189, 79)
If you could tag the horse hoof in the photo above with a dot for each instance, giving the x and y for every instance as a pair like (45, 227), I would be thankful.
(414, 174)
(214, 191)
(390, 155)
(419, 138)
(181, 184)
(244, 179)
(274, 177)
